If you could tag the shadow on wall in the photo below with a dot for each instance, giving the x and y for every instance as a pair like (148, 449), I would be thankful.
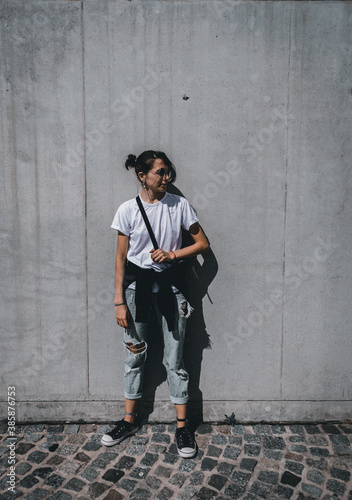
(199, 276)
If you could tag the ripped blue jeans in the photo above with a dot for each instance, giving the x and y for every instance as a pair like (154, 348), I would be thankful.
(135, 340)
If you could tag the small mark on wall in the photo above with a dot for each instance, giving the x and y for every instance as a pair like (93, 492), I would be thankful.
(185, 97)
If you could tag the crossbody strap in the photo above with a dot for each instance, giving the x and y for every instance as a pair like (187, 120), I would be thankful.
(147, 223)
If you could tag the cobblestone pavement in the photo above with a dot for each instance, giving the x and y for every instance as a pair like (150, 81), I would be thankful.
(62, 462)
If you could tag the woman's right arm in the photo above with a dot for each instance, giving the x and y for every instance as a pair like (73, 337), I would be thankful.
(120, 262)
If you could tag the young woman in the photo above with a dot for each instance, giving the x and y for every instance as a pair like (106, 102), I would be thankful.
(147, 277)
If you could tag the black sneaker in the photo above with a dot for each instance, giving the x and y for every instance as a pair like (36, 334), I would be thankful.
(186, 445)
(122, 431)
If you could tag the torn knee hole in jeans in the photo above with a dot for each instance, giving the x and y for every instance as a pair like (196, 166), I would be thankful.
(186, 309)
(136, 348)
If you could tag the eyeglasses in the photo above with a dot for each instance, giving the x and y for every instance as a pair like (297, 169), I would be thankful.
(162, 172)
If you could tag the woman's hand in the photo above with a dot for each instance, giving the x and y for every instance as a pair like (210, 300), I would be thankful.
(122, 315)
(161, 256)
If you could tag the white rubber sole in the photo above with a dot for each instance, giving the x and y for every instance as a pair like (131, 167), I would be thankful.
(187, 454)
(117, 441)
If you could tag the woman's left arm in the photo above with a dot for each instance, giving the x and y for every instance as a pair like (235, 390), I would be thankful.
(200, 245)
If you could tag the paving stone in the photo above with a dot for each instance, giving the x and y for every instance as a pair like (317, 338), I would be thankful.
(339, 440)
(37, 457)
(157, 448)
(158, 437)
(164, 494)
(140, 472)
(231, 452)
(55, 460)
(158, 428)
(187, 465)
(296, 429)
(162, 471)
(28, 481)
(127, 484)
(178, 479)
(284, 491)
(196, 478)
(82, 457)
(314, 491)
(336, 487)
(68, 468)
(225, 468)
(187, 493)
(294, 467)
(89, 473)
(53, 447)
(153, 482)
(204, 429)
(125, 463)
(206, 494)
(208, 464)
(320, 452)
(55, 481)
(32, 438)
(104, 459)
(252, 450)
(136, 450)
(317, 464)
(260, 489)
(219, 439)
(97, 489)
(270, 477)
(238, 429)
(72, 429)
(261, 429)
(170, 458)
(315, 476)
(330, 429)
(278, 429)
(23, 448)
(23, 468)
(140, 440)
(344, 475)
(312, 429)
(75, 484)
(60, 495)
(92, 446)
(297, 439)
(42, 472)
(67, 450)
(274, 442)
(149, 459)
(54, 429)
(252, 438)
(214, 451)
(297, 448)
(113, 495)
(113, 475)
(37, 494)
(248, 463)
(241, 478)
(30, 429)
(290, 478)
(235, 440)
(273, 454)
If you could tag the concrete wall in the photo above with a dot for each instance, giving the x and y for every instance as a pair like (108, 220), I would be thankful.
(252, 102)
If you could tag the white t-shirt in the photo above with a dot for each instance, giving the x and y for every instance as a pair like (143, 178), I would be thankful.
(166, 218)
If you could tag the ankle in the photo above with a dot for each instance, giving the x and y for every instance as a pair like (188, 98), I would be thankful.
(181, 422)
(130, 417)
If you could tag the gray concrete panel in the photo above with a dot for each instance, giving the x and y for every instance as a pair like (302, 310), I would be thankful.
(43, 283)
(251, 101)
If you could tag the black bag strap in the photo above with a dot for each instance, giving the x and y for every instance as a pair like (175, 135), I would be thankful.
(147, 223)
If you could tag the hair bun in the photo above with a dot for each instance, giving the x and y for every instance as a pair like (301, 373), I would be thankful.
(131, 162)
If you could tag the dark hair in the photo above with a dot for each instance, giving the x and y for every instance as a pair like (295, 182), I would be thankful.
(145, 162)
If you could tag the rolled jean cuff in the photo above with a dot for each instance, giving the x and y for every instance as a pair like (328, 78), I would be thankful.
(133, 396)
(179, 401)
